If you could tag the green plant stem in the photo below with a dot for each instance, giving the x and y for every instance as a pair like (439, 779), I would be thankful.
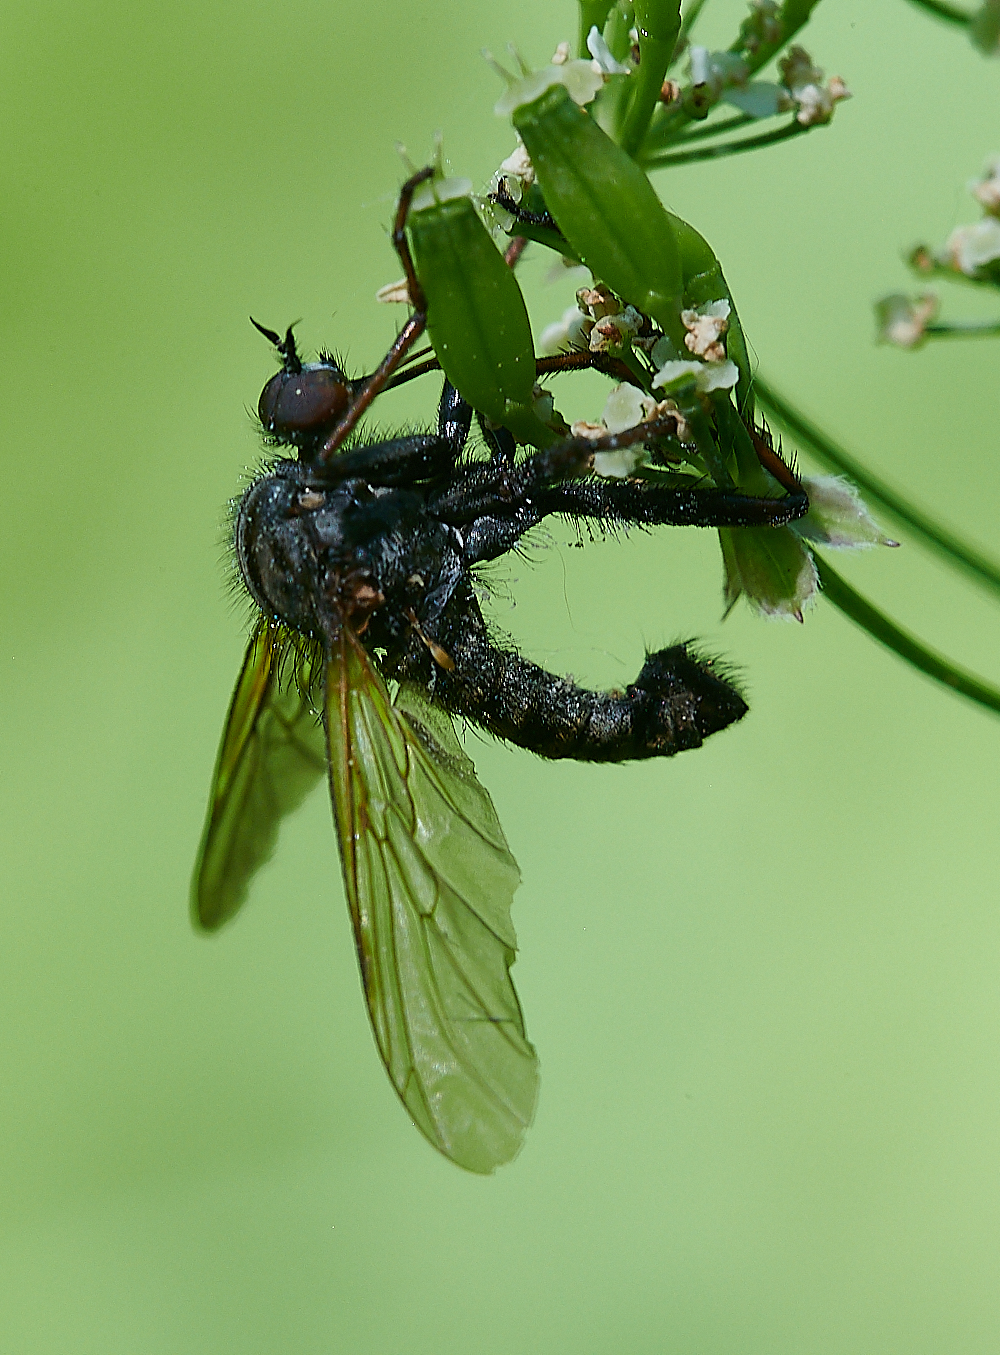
(832, 455)
(750, 143)
(688, 20)
(647, 82)
(593, 14)
(795, 14)
(950, 13)
(880, 627)
(703, 130)
(971, 329)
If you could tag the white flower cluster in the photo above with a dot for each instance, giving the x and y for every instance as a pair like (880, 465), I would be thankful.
(804, 82)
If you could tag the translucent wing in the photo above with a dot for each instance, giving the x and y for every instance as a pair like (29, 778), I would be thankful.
(272, 754)
(430, 880)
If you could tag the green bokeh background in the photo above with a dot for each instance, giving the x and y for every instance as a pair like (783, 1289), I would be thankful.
(764, 981)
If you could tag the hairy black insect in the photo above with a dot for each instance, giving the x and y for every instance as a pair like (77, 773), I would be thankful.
(362, 565)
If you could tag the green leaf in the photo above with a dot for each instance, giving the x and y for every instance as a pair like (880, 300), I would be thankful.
(605, 206)
(476, 317)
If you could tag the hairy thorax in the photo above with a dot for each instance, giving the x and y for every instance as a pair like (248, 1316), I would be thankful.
(315, 555)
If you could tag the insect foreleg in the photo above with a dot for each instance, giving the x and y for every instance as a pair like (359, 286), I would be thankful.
(645, 503)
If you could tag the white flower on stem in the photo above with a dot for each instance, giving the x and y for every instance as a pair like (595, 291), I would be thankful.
(572, 331)
(968, 248)
(601, 53)
(598, 300)
(518, 170)
(705, 328)
(838, 517)
(804, 82)
(582, 80)
(903, 320)
(709, 376)
(612, 331)
(986, 189)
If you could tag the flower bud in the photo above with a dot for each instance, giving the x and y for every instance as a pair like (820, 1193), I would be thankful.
(838, 516)
(770, 567)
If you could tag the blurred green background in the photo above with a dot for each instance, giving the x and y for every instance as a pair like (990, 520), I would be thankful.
(764, 981)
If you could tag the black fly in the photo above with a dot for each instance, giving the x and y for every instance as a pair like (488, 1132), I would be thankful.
(361, 564)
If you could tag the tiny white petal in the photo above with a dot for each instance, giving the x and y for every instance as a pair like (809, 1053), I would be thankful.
(670, 371)
(601, 53)
(718, 376)
(969, 247)
(624, 408)
(619, 465)
(699, 65)
(440, 190)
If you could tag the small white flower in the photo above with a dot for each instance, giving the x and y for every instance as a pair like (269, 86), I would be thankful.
(986, 189)
(815, 100)
(902, 320)
(561, 55)
(699, 65)
(620, 464)
(582, 80)
(969, 247)
(611, 331)
(601, 53)
(709, 376)
(518, 167)
(625, 407)
(838, 517)
(706, 327)
(570, 332)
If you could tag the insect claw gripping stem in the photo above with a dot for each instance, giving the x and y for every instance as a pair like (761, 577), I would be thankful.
(406, 337)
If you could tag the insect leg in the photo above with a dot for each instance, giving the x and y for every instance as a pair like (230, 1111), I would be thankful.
(406, 337)
(646, 503)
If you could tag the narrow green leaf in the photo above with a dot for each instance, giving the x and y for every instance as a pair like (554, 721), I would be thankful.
(605, 206)
(476, 316)
(880, 627)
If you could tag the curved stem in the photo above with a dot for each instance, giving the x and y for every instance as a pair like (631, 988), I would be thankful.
(706, 129)
(832, 455)
(941, 10)
(750, 143)
(880, 627)
(972, 329)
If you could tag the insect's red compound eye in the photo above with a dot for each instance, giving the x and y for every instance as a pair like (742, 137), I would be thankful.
(297, 406)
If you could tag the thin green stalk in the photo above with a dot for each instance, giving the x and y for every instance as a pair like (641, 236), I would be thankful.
(750, 143)
(901, 642)
(593, 14)
(795, 14)
(702, 130)
(951, 13)
(971, 329)
(688, 20)
(658, 24)
(832, 455)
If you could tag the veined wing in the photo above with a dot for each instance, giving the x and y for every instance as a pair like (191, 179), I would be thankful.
(272, 754)
(429, 880)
